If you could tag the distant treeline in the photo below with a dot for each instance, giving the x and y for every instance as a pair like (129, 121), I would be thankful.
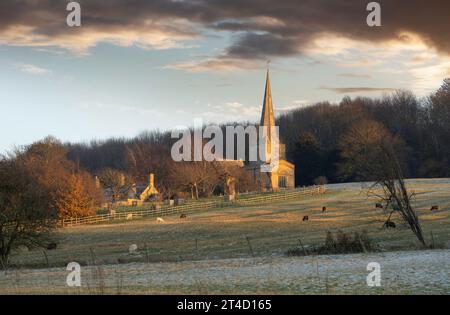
(312, 135)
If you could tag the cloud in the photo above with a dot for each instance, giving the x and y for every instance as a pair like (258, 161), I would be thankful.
(213, 64)
(328, 31)
(263, 28)
(232, 111)
(236, 108)
(33, 69)
(262, 46)
(429, 76)
(120, 108)
(355, 75)
(344, 90)
(42, 24)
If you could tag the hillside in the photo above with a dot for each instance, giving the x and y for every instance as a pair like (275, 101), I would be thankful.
(243, 250)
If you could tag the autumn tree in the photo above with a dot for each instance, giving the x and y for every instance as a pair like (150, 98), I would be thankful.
(27, 211)
(39, 186)
(77, 196)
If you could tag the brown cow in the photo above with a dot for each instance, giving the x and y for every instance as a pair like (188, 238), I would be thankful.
(434, 208)
(305, 218)
(324, 209)
(183, 216)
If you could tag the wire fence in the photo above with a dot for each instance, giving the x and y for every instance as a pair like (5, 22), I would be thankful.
(166, 210)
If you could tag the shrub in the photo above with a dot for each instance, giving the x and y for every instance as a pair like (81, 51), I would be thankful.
(321, 180)
(341, 243)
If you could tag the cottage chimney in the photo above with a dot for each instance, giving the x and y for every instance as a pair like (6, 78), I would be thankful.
(151, 180)
(97, 182)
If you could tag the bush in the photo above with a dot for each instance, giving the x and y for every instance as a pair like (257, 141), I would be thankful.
(321, 180)
(345, 243)
(341, 243)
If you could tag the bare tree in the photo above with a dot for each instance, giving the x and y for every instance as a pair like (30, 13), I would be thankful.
(195, 177)
(147, 157)
(370, 151)
(117, 183)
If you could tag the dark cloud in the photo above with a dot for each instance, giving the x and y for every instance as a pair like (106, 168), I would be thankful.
(262, 45)
(263, 28)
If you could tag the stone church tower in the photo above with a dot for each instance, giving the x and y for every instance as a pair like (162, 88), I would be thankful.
(282, 173)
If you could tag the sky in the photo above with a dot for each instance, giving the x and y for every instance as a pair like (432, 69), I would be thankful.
(140, 65)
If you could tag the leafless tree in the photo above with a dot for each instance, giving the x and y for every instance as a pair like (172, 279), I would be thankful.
(370, 151)
(116, 182)
(195, 176)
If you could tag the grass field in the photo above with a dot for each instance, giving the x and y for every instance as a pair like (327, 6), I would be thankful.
(237, 235)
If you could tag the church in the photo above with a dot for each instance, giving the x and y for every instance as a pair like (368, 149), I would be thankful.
(282, 175)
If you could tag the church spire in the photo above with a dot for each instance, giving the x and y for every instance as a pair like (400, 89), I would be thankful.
(267, 116)
(267, 120)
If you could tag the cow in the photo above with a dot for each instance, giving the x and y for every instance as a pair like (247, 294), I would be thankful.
(183, 216)
(390, 224)
(52, 246)
(160, 220)
(434, 208)
(324, 209)
(305, 218)
(379, 206)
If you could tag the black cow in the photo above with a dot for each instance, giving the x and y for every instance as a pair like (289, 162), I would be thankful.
(390, 224)
(52, 246)
(305, 218)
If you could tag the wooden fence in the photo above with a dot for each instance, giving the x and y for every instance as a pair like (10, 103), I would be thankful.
(167, 210)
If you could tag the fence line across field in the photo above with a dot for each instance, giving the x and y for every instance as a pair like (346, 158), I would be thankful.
(166, 210)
